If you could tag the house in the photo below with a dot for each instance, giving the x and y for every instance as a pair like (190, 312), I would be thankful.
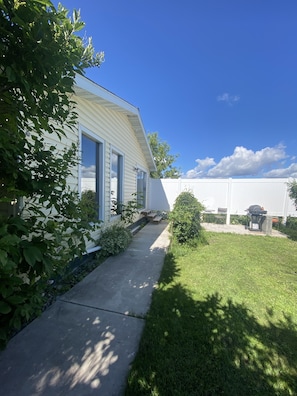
(115, 157)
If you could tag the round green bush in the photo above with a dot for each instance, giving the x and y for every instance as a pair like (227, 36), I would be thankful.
(185, 218)
(114, 240)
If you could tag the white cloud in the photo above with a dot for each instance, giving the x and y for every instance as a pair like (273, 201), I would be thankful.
(243, 162)
(228, 99)
(88, 171)
(290, 171)
(200, 169)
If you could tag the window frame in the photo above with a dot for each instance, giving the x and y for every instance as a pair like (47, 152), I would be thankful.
(143, 201)
(100, 161)
(120, 181)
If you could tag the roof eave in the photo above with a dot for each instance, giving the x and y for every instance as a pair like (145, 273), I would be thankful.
(93, 92)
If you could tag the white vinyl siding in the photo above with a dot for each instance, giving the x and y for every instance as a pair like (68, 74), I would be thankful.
(117, 126)
(115, 129)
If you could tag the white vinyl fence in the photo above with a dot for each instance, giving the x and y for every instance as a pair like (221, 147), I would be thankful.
(233, 195)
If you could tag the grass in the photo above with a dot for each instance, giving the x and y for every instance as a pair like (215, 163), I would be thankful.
(223, 321)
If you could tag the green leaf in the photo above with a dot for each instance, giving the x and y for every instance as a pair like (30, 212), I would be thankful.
(16, 300)
(32, 254)
(16, 322)
(3, 257)
(4, 308)
(6, 289)
(44, 2)
(3, 335)
(9, 240)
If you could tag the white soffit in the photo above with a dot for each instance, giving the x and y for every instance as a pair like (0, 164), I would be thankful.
(93, 92)
(90, 91)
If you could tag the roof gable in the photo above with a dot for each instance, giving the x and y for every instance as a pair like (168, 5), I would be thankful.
(93, 92)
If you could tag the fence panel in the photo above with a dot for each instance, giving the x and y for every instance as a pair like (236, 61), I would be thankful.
(235, 195)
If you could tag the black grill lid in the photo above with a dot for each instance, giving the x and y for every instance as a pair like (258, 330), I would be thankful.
(256, 209)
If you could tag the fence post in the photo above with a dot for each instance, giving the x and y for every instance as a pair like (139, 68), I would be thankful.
(286, 202)
(229, 200)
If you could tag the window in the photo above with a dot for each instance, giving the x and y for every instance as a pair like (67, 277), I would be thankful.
(12, 208)
(92, 177)
(116, 183)
(141, 188)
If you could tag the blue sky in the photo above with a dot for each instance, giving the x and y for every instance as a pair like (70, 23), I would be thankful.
(216, 79)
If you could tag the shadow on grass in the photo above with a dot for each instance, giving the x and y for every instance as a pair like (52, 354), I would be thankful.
(211, 347)
(169, 271)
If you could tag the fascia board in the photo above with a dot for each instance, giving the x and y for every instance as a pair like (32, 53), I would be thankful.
(93, 92)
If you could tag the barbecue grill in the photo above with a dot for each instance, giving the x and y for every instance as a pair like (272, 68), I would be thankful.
(255, 217)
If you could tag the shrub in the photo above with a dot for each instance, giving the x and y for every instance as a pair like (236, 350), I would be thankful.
(214, 218)
(33, 249)
(291, 222)
(185, 218)
(290, 228)
(36, 101)
(292, 187)
(130, 209)
(239, 219)
(114, 240)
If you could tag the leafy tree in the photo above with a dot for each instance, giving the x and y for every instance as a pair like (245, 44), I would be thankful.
(163, 159)
(292, 186)
(40, 56)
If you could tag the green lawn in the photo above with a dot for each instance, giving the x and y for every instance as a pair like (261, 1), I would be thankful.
(223, 321)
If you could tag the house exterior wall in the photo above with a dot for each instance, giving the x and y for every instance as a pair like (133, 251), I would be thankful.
(114, 129)
(236, 195)
(115, 132)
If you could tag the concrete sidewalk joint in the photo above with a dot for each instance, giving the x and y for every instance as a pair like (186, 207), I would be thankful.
(85, 342)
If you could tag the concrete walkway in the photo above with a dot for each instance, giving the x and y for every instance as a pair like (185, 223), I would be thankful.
(86, 341)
